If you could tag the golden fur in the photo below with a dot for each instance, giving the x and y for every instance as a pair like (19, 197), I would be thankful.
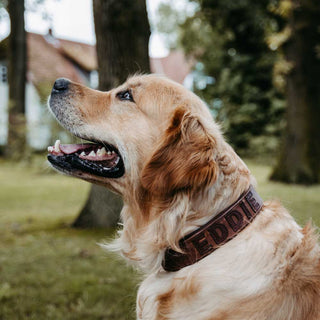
(180, 172)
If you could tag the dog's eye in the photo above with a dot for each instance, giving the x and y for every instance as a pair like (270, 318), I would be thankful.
(125, 95)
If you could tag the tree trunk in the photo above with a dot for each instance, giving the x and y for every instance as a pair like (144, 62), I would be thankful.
(122, 32)
(17, 80)
(299, 161)
(101, 209)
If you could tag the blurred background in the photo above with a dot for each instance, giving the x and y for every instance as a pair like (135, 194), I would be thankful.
(255, 63)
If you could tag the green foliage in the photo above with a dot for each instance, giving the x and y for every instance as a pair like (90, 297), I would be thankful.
(170, 16)
(234, 73)
(298, 42)
(3, 3)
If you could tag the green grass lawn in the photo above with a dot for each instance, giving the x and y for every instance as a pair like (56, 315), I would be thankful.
(50, 271)
(302, 202)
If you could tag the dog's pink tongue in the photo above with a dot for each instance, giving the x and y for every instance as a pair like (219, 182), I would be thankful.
(72, 148)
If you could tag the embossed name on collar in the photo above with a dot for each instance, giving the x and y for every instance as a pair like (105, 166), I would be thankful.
(221, 229)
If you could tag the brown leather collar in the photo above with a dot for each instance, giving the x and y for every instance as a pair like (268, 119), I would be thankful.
(219, 230)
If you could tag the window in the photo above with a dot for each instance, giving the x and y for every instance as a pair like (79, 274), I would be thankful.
(94, 79)
(3, 74)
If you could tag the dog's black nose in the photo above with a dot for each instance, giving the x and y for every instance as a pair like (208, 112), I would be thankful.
(60, 85)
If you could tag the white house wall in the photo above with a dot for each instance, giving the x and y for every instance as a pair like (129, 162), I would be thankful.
(37, 116)
(38, 120)
(3, 113)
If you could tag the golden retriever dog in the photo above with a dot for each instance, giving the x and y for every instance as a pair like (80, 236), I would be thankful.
(192, 221)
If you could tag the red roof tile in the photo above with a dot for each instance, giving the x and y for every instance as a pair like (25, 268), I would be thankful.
(46, 62)
(175, 66)
(50, 58)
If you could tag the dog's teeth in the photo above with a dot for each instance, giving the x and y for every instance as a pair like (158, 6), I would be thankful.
(57, 146)
(101, 152)
(50, 149)
(112, 152)
(82, 153)
(109, 152)
(92, 154)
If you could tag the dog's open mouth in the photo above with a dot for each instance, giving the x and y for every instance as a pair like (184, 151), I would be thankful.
(102, 160)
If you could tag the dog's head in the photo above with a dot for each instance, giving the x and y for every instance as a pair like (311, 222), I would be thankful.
(148, 133)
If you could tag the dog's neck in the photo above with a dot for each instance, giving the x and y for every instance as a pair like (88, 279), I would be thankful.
(218, 231)
(145, 244)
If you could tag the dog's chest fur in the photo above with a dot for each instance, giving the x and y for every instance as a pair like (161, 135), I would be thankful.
(259, 275)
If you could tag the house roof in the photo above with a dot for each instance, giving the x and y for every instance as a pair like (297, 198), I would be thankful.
(175, 66)
(47, 61)
(50, 58)
(84, 54)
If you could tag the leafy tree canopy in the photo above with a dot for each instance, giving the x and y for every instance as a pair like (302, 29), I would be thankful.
(234, 69)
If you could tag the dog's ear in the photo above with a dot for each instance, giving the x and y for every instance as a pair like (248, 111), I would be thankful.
(184, 158)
